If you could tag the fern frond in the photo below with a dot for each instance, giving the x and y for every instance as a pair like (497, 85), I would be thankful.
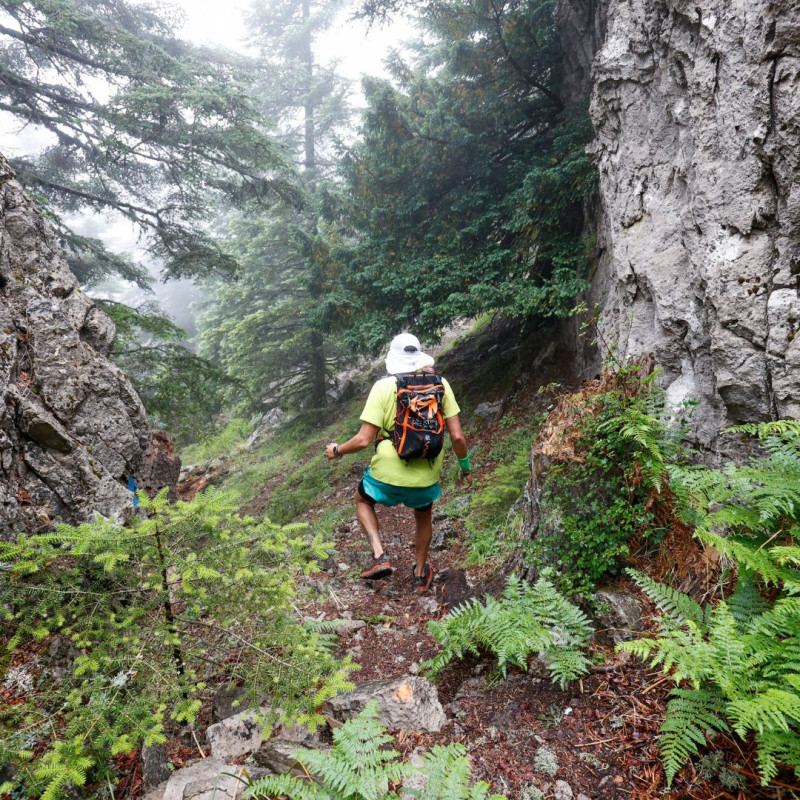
(677, 606)
(526, 619)
(746, 603)
(286, 786)
(774, 748)
(691, 716)
(772, 710)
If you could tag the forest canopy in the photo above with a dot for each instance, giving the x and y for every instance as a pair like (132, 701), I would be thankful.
(456, 191)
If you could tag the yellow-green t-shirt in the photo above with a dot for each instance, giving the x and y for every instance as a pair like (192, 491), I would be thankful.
(386, 466)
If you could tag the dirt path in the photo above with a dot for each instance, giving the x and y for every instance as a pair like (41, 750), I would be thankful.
(521, 732)
(599, 735)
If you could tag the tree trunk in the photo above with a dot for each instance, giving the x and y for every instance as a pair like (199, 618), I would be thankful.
(316, 356)
(308, 105)
(316, 360)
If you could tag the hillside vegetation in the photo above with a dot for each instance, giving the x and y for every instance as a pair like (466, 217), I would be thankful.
(615, 613)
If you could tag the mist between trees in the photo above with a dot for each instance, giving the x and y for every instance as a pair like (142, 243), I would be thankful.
(313, 231)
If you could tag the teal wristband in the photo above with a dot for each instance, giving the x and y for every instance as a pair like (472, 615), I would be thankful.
(464, 464)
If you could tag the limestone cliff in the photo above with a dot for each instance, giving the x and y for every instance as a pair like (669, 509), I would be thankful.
(696, 108)
(71, 426)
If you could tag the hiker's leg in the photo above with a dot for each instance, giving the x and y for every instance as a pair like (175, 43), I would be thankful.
(422, 539)
(369, 523)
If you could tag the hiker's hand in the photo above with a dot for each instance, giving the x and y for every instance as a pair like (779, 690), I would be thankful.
(330, 451)
(465, 480)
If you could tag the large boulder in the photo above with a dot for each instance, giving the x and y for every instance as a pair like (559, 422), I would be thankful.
(72, 428)
(618, 616)
(277, 754)
(235, 736)
(209, 779)
(411, 703)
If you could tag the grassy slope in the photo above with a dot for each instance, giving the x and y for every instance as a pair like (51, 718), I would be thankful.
(286, 477)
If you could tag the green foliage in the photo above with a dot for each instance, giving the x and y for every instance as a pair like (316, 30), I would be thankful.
(526, 619)
(143, 125)
(486, 512)
(741, 658)
(595, 501)
(150, 613)
(260, 329)
(486, 518)
(266, 329)
(180, 391)
(359, 767)
(468, 178)
(223, 442)
(753, 505)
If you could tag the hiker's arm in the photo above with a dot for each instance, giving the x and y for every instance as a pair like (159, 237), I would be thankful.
(459, 442)
(364, 438)
(457, 437)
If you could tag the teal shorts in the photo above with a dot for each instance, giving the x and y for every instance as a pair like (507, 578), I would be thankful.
(420, 498)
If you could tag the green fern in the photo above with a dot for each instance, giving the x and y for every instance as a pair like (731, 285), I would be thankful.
(692, 714)
(526, 619)
(742, 658)
(448, 772)
(678, 607)
(360, 767)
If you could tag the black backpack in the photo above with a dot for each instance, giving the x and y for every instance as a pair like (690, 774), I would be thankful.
(419, 424)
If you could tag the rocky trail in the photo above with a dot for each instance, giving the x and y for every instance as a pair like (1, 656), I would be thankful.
(521, 731)
(597, 740)
(524, 735)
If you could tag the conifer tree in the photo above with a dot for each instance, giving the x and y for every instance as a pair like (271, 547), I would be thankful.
(141, 124)
(154, 616)
(466, 187)
(266, 328)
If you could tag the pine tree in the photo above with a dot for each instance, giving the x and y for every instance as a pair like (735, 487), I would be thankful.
(143, 125)
(270, 329)
(464, 191)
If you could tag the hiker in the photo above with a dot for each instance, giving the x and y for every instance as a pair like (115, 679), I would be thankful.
(406, 413)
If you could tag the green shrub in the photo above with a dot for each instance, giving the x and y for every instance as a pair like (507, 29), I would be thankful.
(219, 443)
(595, 503)
(486, 519)
(526, 619)
(360, 768)
(736, 666)
(151, 612)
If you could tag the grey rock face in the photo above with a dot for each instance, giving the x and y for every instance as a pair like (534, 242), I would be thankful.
(411, 703)
(696, 108)
(209, 779)
(154, 764)
(277, 754)
(489, 412)
(223, 704)
(71, 427)
(620, 614)
(235, 736)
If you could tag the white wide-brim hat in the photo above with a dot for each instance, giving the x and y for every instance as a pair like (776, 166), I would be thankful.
(405, 355)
